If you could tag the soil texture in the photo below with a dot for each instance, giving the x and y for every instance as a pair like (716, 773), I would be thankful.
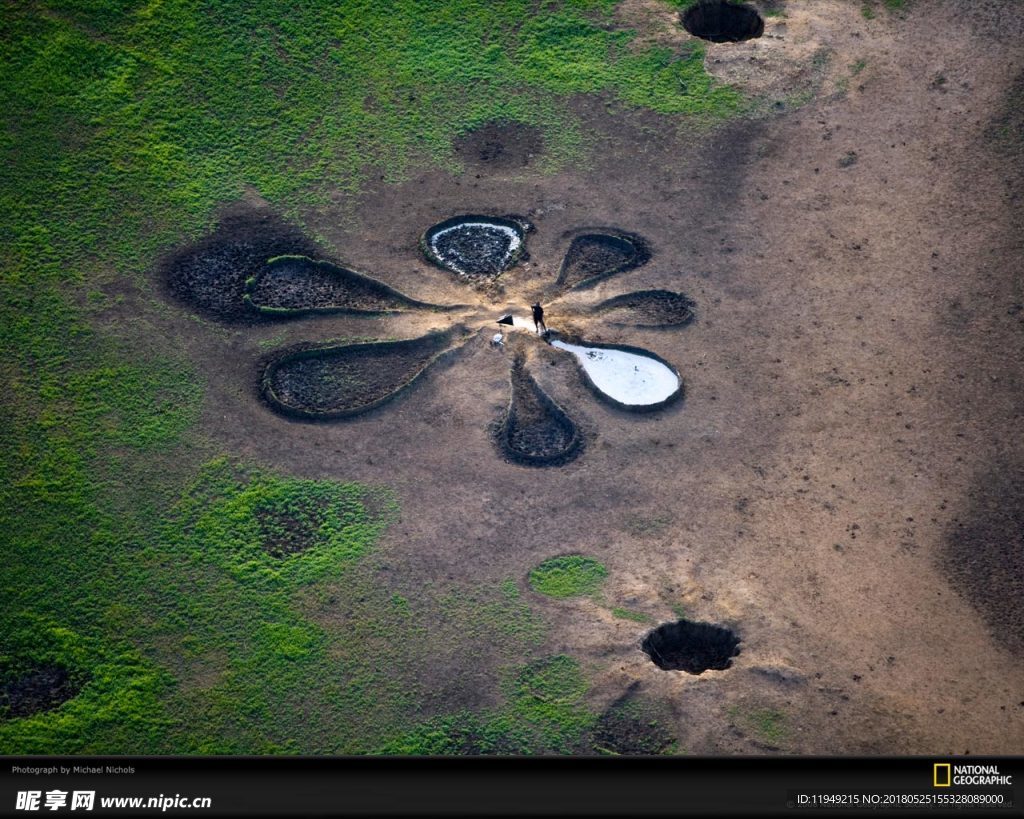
(500, 145)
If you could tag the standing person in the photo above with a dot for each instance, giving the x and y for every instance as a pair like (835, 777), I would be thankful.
(538, 318)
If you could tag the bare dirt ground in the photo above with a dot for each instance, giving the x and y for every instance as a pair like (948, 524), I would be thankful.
(853, 379)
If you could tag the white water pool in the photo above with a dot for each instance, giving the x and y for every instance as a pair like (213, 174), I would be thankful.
(629, 378)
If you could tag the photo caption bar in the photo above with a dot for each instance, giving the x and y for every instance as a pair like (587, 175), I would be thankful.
(594, 786)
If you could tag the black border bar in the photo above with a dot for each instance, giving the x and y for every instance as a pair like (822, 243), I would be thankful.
(520, 786)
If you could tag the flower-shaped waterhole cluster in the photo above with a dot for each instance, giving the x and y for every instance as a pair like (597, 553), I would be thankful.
(257, 269)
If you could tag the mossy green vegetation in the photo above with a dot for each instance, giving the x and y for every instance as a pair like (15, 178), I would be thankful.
(767, 725)
(220, 645)
(568, 576)
(126, 127)
(629, 614)
(543, 712)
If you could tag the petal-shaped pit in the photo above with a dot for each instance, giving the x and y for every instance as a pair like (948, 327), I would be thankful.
(341, 381)
(476, 247)
(626, 377)
(648, 308)
(597, 254)
(535, 430)
(36, 690)
(722, 22)
(691, 647)
(293, 285)
(210, 275)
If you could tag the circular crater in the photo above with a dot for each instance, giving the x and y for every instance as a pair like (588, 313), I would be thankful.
(210, 276)
(535, 430)
(36, 690)
(593, 256)
(648, 308)
(722, 22)
(476, 247)
(691, 647)
(500, 144)
(321, 383)
(292, 285)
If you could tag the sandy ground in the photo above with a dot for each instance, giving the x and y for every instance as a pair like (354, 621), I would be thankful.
(853, 384)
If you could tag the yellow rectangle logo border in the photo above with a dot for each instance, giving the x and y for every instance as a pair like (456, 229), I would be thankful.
(947, 768)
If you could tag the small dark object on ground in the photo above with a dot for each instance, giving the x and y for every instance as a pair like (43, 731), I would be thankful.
(691, 647)
(722, 22)
(538, 317)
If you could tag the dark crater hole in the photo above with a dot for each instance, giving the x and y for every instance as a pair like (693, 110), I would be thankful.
(722, 22)
(691, 647)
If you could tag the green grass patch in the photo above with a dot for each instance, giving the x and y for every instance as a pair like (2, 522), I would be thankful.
(543, 713)
(568, 576)
(635, 616)
(767, 725)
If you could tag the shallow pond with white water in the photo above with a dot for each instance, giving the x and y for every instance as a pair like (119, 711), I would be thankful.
(629, 378)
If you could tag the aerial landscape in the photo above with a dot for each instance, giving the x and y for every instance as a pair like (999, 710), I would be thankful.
(583, 377)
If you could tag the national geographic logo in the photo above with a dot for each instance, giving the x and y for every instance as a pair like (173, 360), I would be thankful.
(946, 775)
